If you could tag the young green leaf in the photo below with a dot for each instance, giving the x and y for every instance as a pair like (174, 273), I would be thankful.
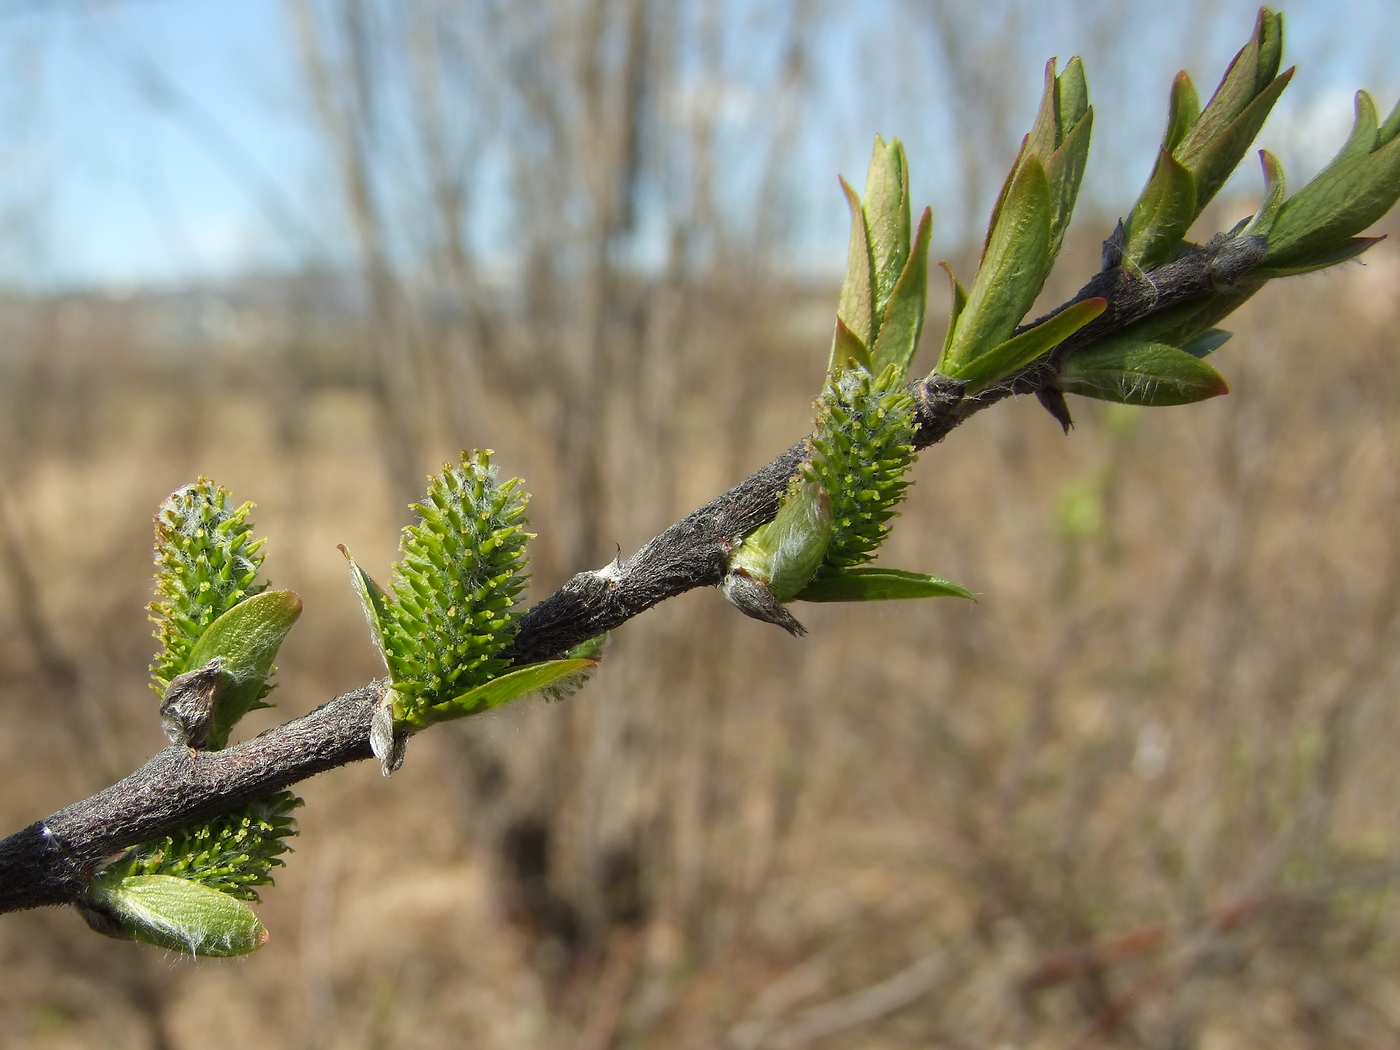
(1390, 128)
(1021, 350)
(1059, 140)
(569, 683)
(1184, 108)
(869, 584)
(1045, 134)
(1213, 145)
(1320, 259)
(847, 350)
(1222, 155)
(245, 641)
(886, 212)
(1139, 374)
(784, 553)
(1027, 226)
(373, 601)
(1202, 148)
(858, 287)
(173, 913)
(1071, 95)
(1275, 188)
(1344, 199)
(1065, 171)
(500, 690)
(955, 309)
(1162, 214)
(1012, 272)
(903, 317)
(247, 637)
(1365, 133)
(1209, 341)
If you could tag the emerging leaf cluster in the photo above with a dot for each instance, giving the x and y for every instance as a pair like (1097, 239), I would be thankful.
(885, 291)
(1023, 238)
(862, 442)
(1201, 148)
(207, 562)
(1159, 360)
(1315, 228)
(836, 512)
(834, 516)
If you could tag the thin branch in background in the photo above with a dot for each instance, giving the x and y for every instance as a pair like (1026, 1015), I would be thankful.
(862, 1007)
(603, 1019)
(801, 982)
(91, 728)
(344, 98)
(59, 670)
(1198, 946)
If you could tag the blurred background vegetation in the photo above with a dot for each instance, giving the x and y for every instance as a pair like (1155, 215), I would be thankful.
(1142, 795)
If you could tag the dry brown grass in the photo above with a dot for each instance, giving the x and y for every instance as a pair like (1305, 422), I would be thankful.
(1143, 794)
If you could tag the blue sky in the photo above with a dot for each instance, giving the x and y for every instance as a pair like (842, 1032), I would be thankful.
(157, 141)
(134, 136)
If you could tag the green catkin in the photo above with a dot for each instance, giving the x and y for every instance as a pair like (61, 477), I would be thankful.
(207, 562)
(234, 853)
(462, 567)
(862, 446)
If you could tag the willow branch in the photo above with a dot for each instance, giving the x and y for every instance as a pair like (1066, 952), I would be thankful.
(50, 861)
(695, 551)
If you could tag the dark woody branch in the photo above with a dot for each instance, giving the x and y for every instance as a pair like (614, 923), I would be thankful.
(50, 861)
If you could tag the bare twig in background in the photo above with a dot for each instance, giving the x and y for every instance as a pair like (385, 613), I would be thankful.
(1199, 950)
(861, 1007)
(59, 670)
(87, 720)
